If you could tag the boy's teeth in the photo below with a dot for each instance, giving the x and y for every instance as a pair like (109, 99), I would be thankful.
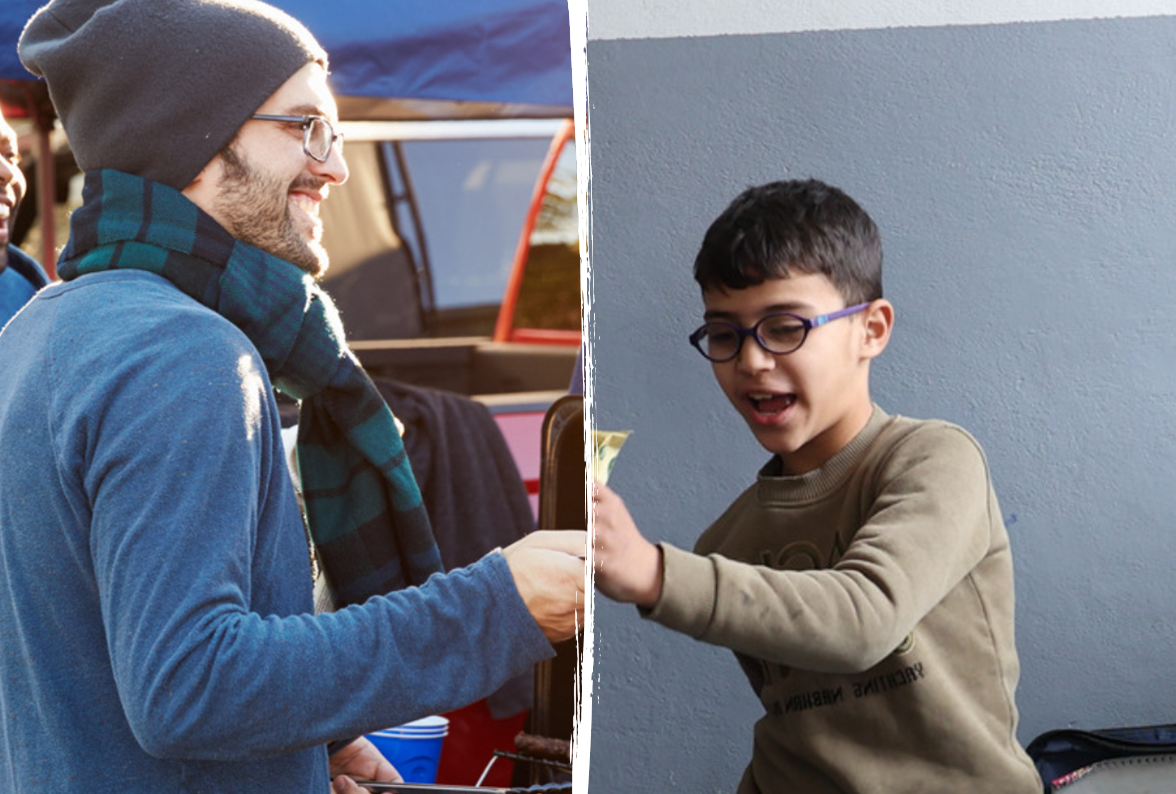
(771, 403)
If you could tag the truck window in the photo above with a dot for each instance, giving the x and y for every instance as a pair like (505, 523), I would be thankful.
(473, 197)
(549, 296)
(425, 235)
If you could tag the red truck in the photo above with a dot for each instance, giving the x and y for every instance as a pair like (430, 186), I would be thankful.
(455, 262)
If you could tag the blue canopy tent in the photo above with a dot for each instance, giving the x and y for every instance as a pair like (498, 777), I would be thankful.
(491, 55)
(390, 60)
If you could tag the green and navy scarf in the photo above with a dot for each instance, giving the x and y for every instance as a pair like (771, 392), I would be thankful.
(363, 505)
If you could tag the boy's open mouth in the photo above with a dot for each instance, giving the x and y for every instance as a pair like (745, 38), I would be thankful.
(768, 403)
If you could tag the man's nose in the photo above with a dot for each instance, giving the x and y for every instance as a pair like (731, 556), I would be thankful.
(334, 170)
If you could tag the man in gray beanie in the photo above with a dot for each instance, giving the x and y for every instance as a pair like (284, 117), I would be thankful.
(159, 630)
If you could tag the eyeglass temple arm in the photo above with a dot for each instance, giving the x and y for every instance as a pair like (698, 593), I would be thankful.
(824, 318)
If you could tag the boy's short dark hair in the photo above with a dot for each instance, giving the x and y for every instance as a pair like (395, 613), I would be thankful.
(797, 226)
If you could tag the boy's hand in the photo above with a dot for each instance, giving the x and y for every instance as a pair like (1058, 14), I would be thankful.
(627, 567)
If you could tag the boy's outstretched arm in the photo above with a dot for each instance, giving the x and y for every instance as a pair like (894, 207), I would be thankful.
(627, 567)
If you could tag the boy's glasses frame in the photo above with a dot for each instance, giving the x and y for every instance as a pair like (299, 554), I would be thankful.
(707, 330)
(315, 144)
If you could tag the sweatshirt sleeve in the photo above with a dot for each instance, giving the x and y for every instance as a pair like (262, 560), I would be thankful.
(929, 525)
(202, 573)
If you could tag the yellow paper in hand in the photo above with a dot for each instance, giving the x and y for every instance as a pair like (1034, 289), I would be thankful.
(607, 444)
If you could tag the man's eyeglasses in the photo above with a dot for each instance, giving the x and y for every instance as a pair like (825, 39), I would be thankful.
(777, 333)
(318, 136)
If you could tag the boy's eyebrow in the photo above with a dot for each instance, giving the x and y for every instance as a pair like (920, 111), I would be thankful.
(795, 307)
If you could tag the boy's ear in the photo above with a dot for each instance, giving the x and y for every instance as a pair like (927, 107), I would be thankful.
(878, 321)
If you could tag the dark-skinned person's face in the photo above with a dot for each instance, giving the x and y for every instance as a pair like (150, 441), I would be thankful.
(12, 185)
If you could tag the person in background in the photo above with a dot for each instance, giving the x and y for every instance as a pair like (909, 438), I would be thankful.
(159, 628)
(20, 275)
(864, 580)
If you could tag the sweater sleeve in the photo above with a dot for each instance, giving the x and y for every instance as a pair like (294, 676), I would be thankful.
(202, 573)
(928, 526)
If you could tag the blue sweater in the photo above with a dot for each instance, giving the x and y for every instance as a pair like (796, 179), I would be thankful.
(22, 277)
(156, 608)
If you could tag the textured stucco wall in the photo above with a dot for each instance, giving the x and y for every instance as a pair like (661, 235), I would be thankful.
(1023, 177)
(639, 19)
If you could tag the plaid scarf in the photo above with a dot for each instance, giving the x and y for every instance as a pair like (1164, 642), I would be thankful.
(363, 505)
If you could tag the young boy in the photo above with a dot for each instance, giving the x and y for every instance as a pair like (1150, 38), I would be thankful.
(864, 580)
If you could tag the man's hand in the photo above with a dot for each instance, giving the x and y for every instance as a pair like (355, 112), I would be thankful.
(362, 760)
(345, 785)
(627, 567)
(548, 570)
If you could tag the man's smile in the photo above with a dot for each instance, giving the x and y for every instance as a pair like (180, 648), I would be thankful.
(306, 203)
(308, 199)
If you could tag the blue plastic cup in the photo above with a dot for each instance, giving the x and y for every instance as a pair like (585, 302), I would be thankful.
(413, 748)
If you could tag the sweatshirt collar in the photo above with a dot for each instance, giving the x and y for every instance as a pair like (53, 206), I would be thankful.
(772, 486)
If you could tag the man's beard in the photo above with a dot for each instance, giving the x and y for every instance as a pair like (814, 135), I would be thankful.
(257, 207)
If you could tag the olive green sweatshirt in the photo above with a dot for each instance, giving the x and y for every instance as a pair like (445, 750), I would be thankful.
(870, 604)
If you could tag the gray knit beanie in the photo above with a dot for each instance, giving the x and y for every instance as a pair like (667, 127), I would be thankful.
(156, 88)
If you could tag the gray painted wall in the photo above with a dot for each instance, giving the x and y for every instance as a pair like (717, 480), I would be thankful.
(1024, 180)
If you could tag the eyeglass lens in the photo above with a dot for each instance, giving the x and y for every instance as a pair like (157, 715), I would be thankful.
(319, 138)
(778, 333)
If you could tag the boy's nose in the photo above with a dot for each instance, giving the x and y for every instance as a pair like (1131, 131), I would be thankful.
(753, 358)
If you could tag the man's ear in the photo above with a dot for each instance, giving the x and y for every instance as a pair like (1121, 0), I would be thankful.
(201, 191)
(878, 321)
(203, 179)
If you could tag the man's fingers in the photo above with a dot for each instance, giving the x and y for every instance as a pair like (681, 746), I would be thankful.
(573, 567)
(562, 566)
(601, 492)
(569, 541)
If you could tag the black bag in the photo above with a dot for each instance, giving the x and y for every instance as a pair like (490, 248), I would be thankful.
(1060, 752)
